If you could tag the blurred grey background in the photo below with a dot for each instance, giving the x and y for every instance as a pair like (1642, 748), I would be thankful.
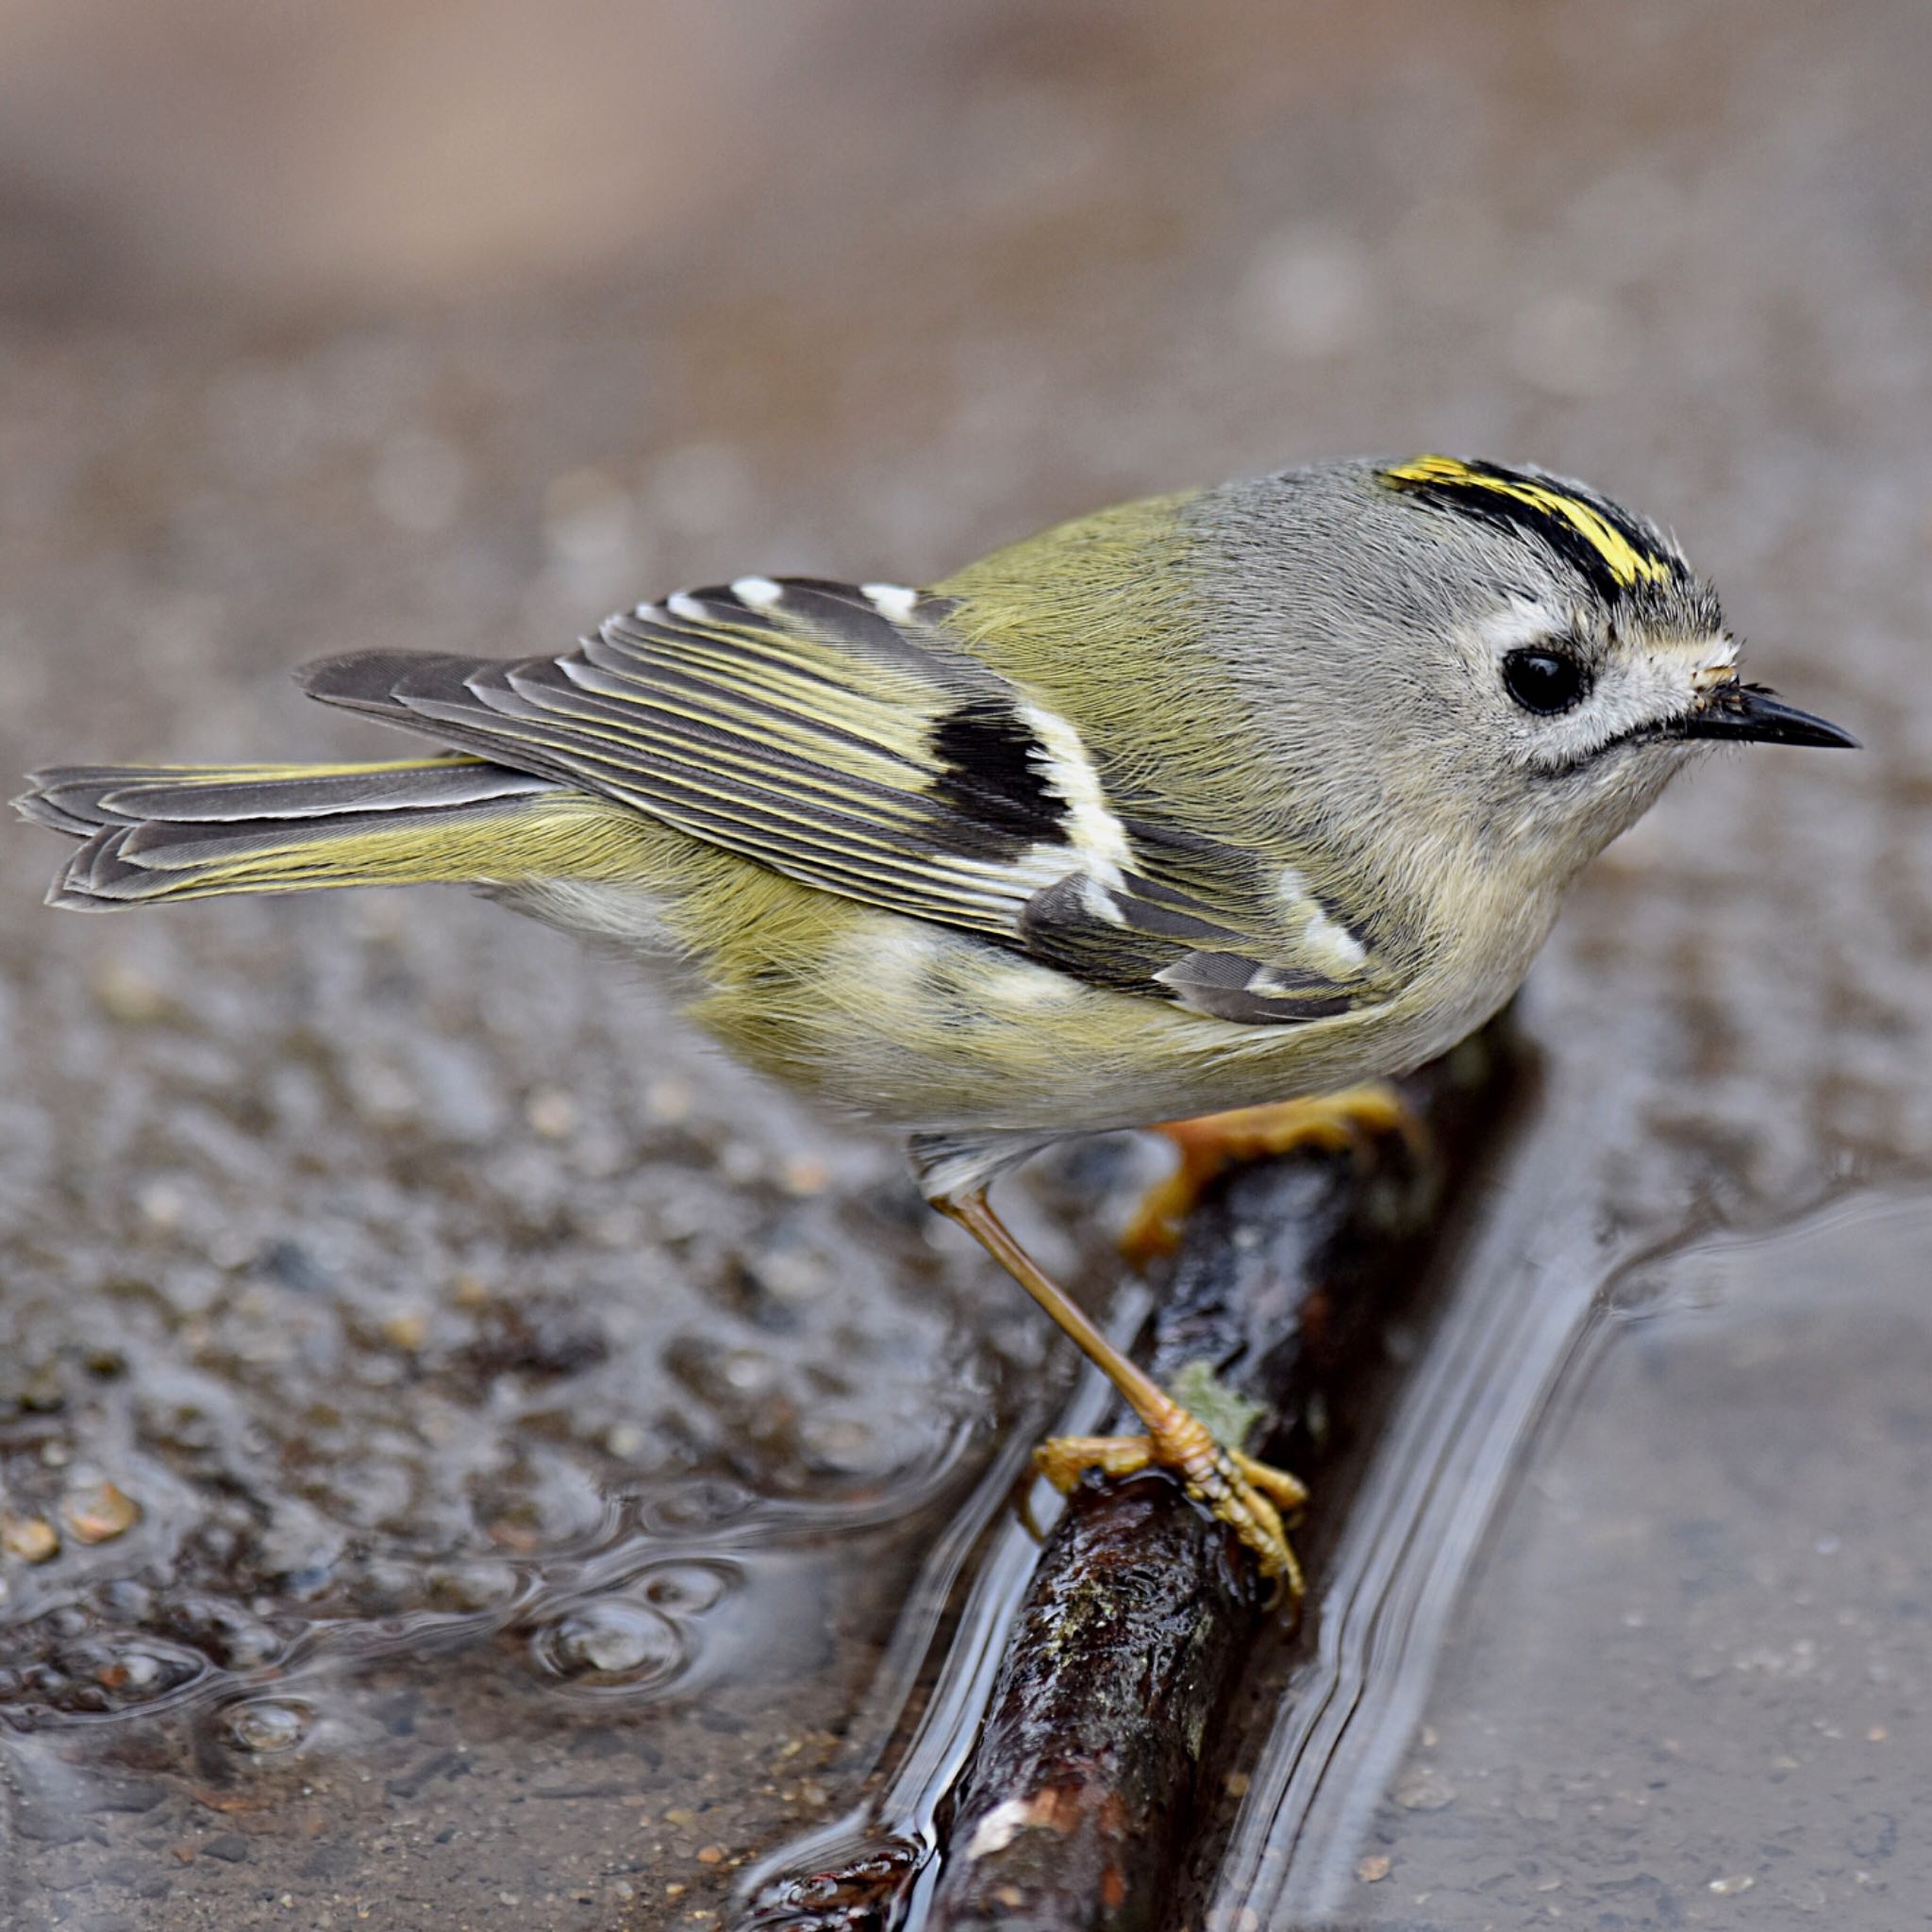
(530, 1426)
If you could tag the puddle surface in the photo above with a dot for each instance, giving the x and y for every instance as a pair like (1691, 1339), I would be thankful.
(1689, 1684)
(1685, 1682)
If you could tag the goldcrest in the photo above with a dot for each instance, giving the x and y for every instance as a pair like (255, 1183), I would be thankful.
(1214, 799)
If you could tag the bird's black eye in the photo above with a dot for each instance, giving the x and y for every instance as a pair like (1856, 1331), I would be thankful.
(1545, 682)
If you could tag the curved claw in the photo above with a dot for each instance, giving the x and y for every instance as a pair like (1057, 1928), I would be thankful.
(1247, 1496)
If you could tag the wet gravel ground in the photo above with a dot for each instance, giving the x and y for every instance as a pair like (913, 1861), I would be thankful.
(461, 1447)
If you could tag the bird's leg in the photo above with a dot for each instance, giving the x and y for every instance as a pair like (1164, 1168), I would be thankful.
(1245, 1494)
(1219, 1140)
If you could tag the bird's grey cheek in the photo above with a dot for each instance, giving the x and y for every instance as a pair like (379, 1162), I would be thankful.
(1662, 759)
(1638, 782)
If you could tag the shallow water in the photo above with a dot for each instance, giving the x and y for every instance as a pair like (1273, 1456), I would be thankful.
(527, 1438)
(1686, 1682)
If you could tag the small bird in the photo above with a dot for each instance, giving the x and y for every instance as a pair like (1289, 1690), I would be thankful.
(1202, 802)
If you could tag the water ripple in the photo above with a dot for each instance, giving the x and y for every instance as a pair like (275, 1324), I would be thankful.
(1443, 1470)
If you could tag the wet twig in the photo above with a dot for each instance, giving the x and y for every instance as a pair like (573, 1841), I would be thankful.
(1077, 1801)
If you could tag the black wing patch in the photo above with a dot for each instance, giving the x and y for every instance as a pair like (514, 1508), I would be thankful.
(992, 780)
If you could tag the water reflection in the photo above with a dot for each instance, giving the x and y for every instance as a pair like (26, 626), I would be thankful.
(1683, 1685)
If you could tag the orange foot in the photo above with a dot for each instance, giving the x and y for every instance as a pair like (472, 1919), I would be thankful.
(1248, 1495)
(1217, 1141)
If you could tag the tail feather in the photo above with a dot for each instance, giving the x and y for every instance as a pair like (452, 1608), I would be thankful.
(154, 833)
(83, 798)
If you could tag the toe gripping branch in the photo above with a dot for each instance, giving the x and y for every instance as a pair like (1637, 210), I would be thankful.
(1254, 1499)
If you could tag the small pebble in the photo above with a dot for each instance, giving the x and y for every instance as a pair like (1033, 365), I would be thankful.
(28, 1538)
(1423, 1789)
(160, 1206)
(1370, 1870)
(625, 1641)
(128, 995)
(98, 1514)
(552, 1113)
(669, 1101)
(406, 1332)
(265, 1723)
(689, 1589)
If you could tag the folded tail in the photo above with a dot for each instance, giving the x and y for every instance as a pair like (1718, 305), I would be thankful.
(160, 833)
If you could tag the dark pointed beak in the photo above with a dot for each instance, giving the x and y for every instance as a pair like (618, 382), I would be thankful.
(1750, 713)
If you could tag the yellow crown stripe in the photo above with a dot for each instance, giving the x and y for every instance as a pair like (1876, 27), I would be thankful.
(1621, 558)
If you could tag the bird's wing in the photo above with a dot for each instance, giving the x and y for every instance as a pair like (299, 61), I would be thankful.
(839, 735)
